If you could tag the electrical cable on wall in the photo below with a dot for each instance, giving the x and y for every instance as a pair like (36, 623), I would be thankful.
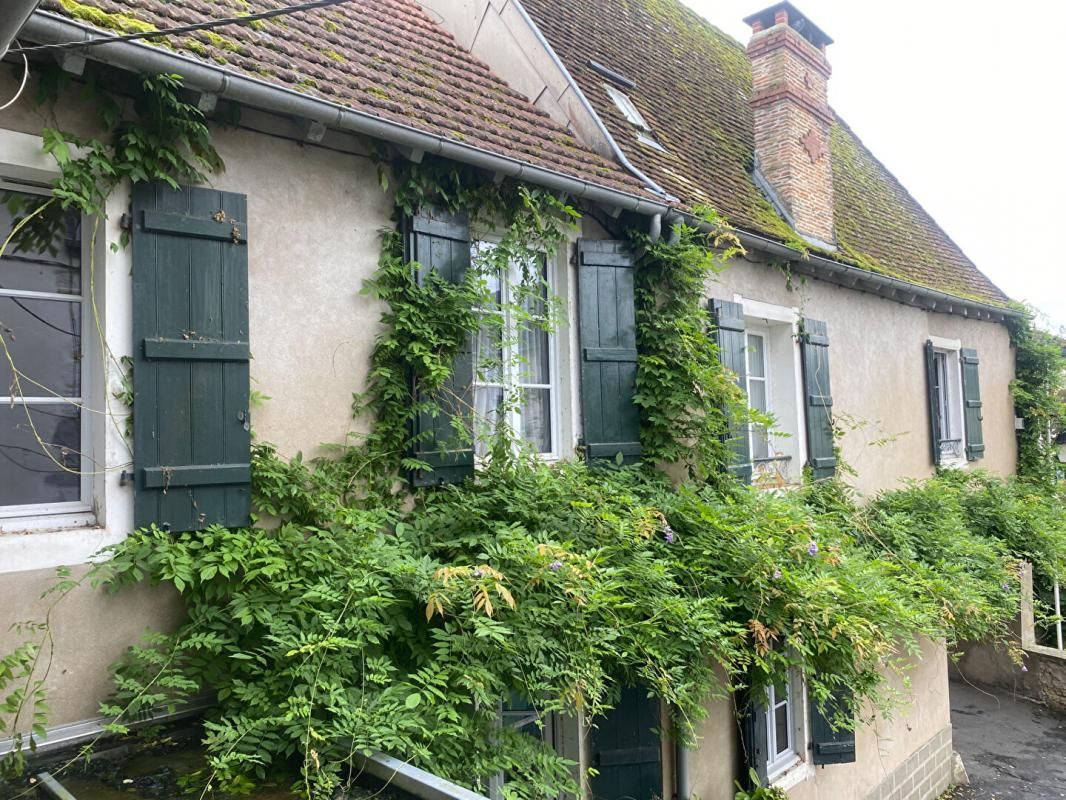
(199, 26)
(22, 86)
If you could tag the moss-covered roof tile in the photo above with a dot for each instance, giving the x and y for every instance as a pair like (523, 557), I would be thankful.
(383, 57)
(694, 89)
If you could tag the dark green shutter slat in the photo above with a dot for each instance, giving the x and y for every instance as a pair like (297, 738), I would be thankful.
(754, 734)
(608, 334)
(933, 391)
(731, 338)
(626, 749)
(972, 406)
(439, 241)
(829, 746)
(814, 347)
(222, 228)
(206, 351)
(192, 439)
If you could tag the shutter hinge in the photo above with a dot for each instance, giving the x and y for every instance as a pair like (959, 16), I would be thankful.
(126, 222)
(125, 478)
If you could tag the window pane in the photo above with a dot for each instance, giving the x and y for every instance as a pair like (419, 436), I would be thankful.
(45, 256)
(536, 419)
(27, 475)
(757, 395)
(781, 729)
(488, 405)
(44, 338)
(488, 352)
(534, 364)
(756, 356)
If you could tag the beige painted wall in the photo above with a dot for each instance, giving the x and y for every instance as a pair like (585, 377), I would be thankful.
(877, 368)
(314, 217)
(91, 629)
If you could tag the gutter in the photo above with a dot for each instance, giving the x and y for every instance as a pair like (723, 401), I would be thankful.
(46, 27)
(864, 280)
(16, 12)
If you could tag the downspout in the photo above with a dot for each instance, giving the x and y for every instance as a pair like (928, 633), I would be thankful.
(16, 12)
(580, 95)
(682, 782)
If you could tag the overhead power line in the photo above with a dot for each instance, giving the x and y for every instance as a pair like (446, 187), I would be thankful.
(199, 26)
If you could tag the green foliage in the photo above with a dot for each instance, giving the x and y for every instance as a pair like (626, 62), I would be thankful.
(349, 626)
(685, 394)
(1039, 390)
(164, 139)
(427, 322)
(758, 791)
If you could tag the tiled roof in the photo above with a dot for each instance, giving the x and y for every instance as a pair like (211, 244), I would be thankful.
(382, 57)
(693, 88)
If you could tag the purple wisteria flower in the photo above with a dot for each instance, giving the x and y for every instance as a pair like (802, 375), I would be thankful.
(1006, 587)
(777, 574)
(668, 533)
(555, 566)
(1025, 668)
(812, 549)
(477, 573)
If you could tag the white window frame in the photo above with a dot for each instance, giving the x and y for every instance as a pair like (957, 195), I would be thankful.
(763, 332)
(507, 382)
(78, 512)
(759, 318)
(951, 352)
(792, 766)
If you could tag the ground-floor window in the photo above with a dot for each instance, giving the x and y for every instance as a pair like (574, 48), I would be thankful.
(43, 369)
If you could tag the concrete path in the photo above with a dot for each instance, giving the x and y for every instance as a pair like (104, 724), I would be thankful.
(1013, 749)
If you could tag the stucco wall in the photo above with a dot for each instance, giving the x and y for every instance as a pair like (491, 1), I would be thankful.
(877, 368)
(314, 217)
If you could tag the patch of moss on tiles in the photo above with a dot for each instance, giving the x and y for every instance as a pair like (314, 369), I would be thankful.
(124, 23)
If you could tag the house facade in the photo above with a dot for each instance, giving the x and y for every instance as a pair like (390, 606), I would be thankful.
(851, 314)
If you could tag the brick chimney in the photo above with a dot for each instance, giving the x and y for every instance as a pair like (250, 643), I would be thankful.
(790, 104)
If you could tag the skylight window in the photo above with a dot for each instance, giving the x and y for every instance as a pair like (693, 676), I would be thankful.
(633, 117)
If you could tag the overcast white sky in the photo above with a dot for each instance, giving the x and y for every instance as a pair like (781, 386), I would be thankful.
(966, 103)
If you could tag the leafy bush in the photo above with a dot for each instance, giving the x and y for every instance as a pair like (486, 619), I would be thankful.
(356, 625)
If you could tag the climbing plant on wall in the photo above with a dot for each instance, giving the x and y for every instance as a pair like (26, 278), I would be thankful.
(356, 617)
(1039, 391)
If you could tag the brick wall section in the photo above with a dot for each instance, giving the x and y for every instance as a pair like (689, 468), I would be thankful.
(792, 120)
(925, 775)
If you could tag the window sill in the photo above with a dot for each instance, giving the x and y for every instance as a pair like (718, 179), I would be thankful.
(792, 774)
(49, 542)
(48, 522)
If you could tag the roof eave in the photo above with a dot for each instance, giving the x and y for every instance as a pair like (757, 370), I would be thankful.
(864, 280)
(47, 27)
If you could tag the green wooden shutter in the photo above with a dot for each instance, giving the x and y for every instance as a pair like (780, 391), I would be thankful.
(829, 746)
(438, 241)
(626, 749)
(972, 407)
(608, 340)
(814, 346)
(754, 735)
(731, 338)
(934, 393)
(191, 426)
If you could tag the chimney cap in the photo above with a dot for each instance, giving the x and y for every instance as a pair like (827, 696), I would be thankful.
(797, 20)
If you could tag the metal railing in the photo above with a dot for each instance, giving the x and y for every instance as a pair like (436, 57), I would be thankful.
(1058, 617)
